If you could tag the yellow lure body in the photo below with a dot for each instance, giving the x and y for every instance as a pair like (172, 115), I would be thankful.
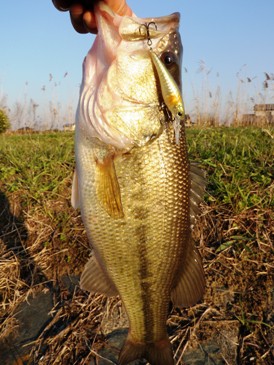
(170, 90)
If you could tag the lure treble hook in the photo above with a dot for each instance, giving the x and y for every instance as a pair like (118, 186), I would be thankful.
(147, 26)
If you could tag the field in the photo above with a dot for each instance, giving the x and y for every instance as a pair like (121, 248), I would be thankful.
(43, 248)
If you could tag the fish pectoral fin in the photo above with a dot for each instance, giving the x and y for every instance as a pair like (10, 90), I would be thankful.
(108, 189)
(75, 197)
(197, 190)
(93, 279)
(191, 284)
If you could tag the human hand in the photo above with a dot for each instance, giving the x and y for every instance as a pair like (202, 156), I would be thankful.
(82, 14)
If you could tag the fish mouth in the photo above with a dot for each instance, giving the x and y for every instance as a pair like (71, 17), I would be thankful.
(103, 10)
(110, 109)
(131, 28)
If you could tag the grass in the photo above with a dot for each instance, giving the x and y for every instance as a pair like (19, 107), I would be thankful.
(240, 165)
(42, 239)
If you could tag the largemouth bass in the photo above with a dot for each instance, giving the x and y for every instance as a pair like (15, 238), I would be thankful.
(133, 182)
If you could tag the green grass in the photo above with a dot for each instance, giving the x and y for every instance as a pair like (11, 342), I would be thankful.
(239, 163)
(35, 163)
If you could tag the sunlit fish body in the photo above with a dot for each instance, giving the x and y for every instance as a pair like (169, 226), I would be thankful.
(134, 185)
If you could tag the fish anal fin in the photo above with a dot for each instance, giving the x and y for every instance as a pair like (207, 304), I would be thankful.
(190, 286)
(107, 187)
(93, 279)
(156, 353)
(75, 197)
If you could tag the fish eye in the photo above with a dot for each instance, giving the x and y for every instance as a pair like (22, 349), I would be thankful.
(168, 58)
(180, 114)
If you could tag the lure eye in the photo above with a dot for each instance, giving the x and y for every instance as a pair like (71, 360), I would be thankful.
(168, 58)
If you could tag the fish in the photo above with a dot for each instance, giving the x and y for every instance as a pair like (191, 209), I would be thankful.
(137, 191)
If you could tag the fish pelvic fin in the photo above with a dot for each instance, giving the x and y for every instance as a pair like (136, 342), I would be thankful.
(156, 353)
(190, 287)
(95, 280)
(75, 197)
(107, 187)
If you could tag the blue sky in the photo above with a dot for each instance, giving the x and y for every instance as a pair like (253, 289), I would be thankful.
(224, 43)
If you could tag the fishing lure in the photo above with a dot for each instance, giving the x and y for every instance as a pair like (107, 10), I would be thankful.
(169, 88)
(171, 94)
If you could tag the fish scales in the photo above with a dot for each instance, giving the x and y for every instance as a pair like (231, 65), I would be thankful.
(154, 184)
(132, 182)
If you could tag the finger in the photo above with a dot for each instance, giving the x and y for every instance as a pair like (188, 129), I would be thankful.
(119, 7)
(76, 15)
(90, 22)
(62, 5)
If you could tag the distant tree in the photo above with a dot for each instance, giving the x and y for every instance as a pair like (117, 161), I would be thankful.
(4, 121)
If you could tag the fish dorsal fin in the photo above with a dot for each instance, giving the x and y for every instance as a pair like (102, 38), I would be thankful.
(93, 279)
(191, 284)
(75, 197)
(107, 187)
(197, 190)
